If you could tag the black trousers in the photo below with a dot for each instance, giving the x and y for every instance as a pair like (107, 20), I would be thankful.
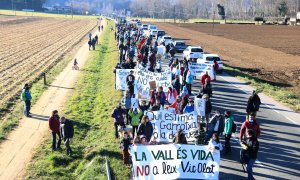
(54, 145)
(134, 129)
(116, 124)
(189, 87)
(27, 107)
(227, 143)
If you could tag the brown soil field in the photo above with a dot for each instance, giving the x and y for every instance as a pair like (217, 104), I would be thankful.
(252, 49)
(280, 38)
(33, 45)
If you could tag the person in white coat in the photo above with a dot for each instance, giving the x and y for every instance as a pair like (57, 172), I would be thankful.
(215, 144)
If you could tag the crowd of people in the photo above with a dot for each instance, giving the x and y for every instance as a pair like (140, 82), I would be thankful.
(137, 48)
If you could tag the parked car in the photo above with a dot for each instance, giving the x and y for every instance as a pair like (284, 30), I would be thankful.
(192, 52)
(145, 27)
(153, 33)
(166, 40)
(209, 59)
(152, 27)
(160, 33)
(180, 46)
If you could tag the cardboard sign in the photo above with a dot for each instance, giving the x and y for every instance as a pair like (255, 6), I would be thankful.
(199, 105)
(165, 124)
(121, 75)
(134, 103)
(175, 161)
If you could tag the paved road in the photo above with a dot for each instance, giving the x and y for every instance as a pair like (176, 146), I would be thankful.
(279, 156)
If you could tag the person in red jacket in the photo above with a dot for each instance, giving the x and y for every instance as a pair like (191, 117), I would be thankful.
(54, 126)
(250, 123)
(204, 77)
(216, 68)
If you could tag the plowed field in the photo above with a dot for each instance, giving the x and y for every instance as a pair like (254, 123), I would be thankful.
(271, 53)
(31, 46)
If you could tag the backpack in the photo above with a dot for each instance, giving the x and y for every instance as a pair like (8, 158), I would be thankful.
(234, 127)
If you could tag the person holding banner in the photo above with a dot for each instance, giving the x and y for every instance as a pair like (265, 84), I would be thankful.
(161, 95)
(215, 144)
(118, 119)
(145, 128)
(135, 115)
(171, 95)
(208, 108)
(180, 137)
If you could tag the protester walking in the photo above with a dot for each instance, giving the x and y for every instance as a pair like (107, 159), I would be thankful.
(207, 89)
(117, 114)
(54, 126)
(253, 104)
(215, 68)
(145, 128)
(26, 97)
(250, 123)
(135, 115)
(252, 147)
(124, 145)
(204, 77)
(171, 95)
(161, 96)
(180, 137)
(228, 130)
(208, 108)
(67, 133)
(189, 82)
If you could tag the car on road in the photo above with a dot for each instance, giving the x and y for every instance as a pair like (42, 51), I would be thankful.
(152, 27)
(153, 33)
(160, 33)
(166, 40)
(139, 25)
(145, 27)
(192, 52)
(180, 46)
(209, 59)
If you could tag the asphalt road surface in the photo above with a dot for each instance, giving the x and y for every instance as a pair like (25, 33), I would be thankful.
(278, 156)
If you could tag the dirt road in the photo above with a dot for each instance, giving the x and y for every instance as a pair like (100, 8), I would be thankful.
(17, 150)
(265, 63)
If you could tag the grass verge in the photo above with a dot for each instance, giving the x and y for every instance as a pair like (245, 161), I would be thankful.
(13, 112)
(90, 108)
(284, 95)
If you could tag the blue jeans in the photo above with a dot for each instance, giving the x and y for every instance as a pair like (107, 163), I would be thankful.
(249, 168)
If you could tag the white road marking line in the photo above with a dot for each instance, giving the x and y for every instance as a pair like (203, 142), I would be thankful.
(262, 103)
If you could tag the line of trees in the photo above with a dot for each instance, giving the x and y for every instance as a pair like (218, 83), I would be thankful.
(233, 9)
(22, 4)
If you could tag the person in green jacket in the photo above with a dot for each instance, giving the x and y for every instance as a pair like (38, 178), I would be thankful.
(135, 115)
(227, 130)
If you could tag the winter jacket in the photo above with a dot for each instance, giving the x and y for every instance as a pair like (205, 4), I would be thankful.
(177, 106)
(207, 90)
(127, 102)
(189, 78)
(208, 107)
(188, 109)
(253, 146)
(214, 120)
(125, 143)
(145, 129)
(176, 85)
(247, 125)
(54, 124)
(253, 103)
(25, 95)
(215, 146)
(172, 93)
(228, 125)
(67, 129)
(203, 79)
(161, 96)
(135, 117)
(118, 115)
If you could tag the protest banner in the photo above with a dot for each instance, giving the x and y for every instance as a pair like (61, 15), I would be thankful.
(161, 50)
(199, 106)
(142, 78)
(175, 161)
(165, 124)
(197, 69)
(121, 75)
(134, 103)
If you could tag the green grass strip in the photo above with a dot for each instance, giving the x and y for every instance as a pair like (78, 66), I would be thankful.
(284, 95)
(90, 108)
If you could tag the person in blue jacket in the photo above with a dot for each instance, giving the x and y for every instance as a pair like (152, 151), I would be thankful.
(26, 97)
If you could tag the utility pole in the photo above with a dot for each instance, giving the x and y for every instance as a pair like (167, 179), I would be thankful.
(72, 8)
(212, 31)
(174, 15)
